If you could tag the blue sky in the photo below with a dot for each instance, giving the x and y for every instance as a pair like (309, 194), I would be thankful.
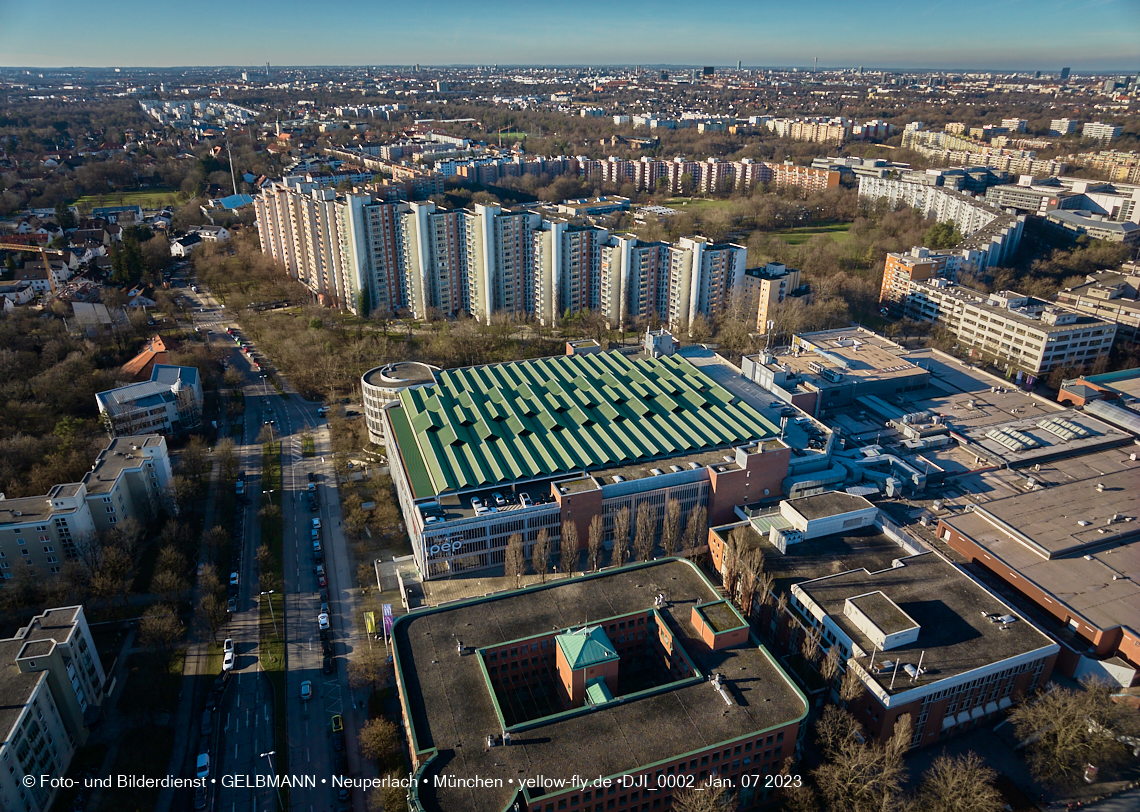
(997, 34)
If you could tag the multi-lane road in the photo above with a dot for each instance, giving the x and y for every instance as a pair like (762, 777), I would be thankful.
(245, 717)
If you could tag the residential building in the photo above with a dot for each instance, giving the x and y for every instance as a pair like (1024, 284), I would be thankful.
(53, 684)
(1026, 334)
(1066, 550)
(1109, 295)
(1100, 131)
(155, 351)
(129, 477)
(703, 279)
(988, 230)
(581, 435)
(765, 289)
(659, 650)
(920, 264)
(169, 403)
(1063, 126)
(1014, 124)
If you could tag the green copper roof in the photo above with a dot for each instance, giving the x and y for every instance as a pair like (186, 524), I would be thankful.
(479, 426)
(586, 646)
(597, 692)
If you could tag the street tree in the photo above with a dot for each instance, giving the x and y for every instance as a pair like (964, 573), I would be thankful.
(621, 536)
(540, 555)
(645, 536)
(671, 529)
(212, 612)
(1067, 729)
(960, 783)
(696, 530)
(595, 541)
(568, 548)
(378, 739)
(160, 630)
(368, 668)
(514, 560)
(708, 798)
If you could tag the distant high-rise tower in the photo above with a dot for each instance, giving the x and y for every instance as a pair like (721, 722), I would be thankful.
(816, 66)
(266, 70)
(738, 64)
(1064, 74)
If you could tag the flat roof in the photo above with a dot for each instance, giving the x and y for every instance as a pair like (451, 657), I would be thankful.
(951, 609)
(118, 456)
(482, 426)
(16, 686)
(451, 709)
(1038, 535)
(854, 352)
(828, 503)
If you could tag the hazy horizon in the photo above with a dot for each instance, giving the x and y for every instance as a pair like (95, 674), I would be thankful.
(969, 36)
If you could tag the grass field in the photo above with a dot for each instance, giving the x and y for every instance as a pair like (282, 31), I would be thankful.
(697, 205)
(147, 198)
(796, 236)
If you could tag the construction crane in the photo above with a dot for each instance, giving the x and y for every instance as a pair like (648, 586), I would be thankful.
(43, 252)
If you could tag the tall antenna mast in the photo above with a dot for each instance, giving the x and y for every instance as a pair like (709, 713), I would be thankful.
(233, 177)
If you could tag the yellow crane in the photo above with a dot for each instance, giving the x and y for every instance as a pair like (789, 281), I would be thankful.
(31, 249)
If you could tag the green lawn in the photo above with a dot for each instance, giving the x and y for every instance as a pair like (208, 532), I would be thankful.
(147, 198)
(796, 236)
(697, 205)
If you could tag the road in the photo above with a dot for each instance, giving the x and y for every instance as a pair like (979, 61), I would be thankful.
(247, 729)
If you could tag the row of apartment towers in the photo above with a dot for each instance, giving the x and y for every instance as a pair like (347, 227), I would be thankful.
(363, 255)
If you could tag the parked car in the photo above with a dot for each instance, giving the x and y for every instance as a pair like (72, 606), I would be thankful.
(312, 477)
(228, 645)
(320, 570)
(306, 690)
(231, 605)
(323, 621)
(316, 524)
(337, 724)
(327, 666)
(203, 765)
(233, 579)
(322, 582)
(525, 500)
(499, 500)
(228, 660)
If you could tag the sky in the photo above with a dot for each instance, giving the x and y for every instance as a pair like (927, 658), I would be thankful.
(1086, 35)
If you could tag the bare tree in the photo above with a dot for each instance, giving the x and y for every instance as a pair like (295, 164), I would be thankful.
(829, 667)
(540, 555)
(810, 647)
(850, 687)
(377, 739)
(959, 784)
(160, 630)
(645, 535)
(708, 798)
(568, 548)
(595, 541)
(696, 530)
(169, 584)
(194, 461)
(227, 457)
(621, 536)
(514, 559)
(860, 775)
(368, 668)
(213, 613)
(1066, 729)
(671, 529)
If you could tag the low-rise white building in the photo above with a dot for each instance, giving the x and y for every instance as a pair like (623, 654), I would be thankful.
(170, 403)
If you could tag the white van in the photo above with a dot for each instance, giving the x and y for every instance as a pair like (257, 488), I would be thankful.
(321, 412)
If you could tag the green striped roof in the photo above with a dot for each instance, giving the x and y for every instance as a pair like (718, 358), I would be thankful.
(479, 426)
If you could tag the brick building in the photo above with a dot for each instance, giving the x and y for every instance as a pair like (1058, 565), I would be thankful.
(636, 676)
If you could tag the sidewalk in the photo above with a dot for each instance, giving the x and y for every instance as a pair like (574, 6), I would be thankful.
(196, 656)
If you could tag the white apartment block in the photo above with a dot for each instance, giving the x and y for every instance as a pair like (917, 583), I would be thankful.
(986, 229)
(129, 479)
(52, 685)
(1100, 131)
(361, 255)
(1030, 335)
(1062, 126)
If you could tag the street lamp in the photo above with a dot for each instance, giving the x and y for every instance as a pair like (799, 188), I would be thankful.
(271, 614)
(272, 771)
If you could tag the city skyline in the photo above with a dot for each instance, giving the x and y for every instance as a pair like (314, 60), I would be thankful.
(1101, 37)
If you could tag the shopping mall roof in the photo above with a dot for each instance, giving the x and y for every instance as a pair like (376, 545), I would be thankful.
(479, 426)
